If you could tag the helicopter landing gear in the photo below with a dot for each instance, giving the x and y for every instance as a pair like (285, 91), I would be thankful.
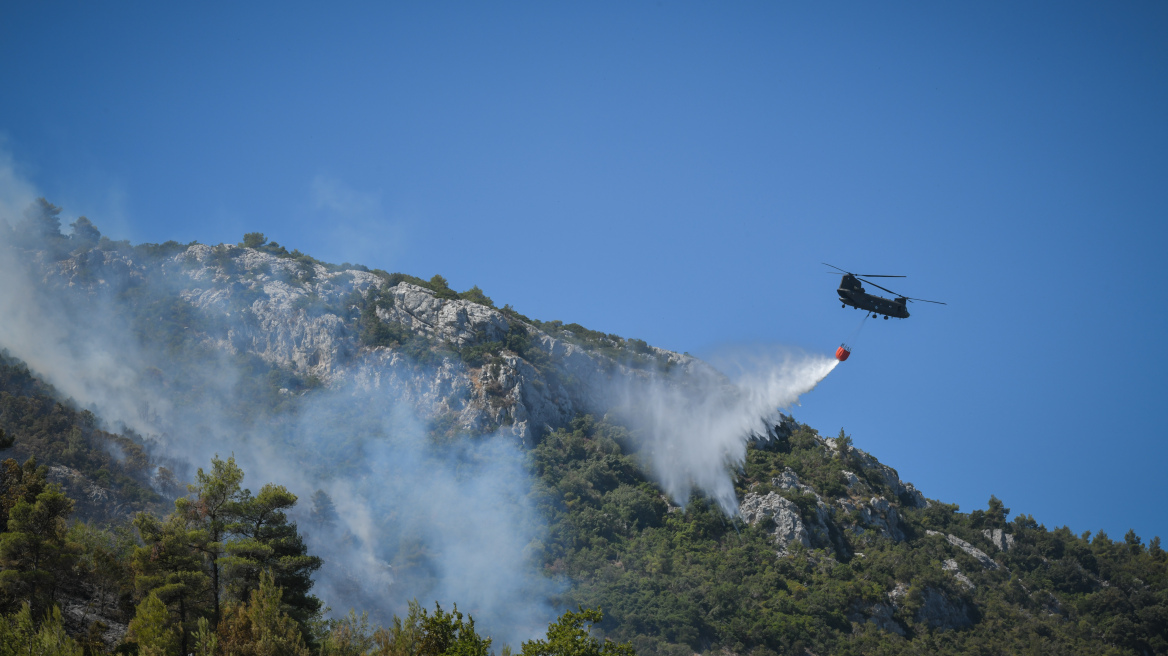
(886, 318)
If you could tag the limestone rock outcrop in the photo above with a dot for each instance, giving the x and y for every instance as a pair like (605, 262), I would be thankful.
(999, 538)
(786, 524)
(298, 314)
(952, 567)
(981, 556)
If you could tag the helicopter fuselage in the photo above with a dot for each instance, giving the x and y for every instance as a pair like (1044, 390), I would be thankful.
(852, 293)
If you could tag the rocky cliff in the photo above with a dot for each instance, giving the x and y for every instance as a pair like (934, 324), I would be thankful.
(484, 368)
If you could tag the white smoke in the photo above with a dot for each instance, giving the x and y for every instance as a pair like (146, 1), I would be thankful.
(448, 522)
(15, 191)
(693, 432)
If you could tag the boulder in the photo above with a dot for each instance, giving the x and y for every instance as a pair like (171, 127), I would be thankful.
(999, 538)
(850, 480)
(818, 530)
(787, 524)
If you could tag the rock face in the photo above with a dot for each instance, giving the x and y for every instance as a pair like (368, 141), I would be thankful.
(968, 548)
(786, 524)
(936, 609)
(300, 315)
(880, 614)
(999, 538)
(952, 567)
(876, 514)
(812, 532)
(80, 614)
(940, 612)
(856, 512)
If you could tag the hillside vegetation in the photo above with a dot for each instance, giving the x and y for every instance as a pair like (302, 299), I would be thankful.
(668, 580)
(111, 543)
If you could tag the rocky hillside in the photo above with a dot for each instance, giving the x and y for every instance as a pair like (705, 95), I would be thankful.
(830, 553)
(454, 357)
(837, 555)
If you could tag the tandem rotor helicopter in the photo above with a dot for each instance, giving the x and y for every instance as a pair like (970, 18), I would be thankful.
(852, 293)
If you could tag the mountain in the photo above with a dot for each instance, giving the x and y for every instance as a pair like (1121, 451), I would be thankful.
(464, 453)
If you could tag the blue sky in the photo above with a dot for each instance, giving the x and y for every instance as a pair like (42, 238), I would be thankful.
(676, 172)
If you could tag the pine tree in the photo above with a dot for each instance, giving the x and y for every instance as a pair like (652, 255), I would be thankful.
(267, 541)
(19, 482)
(42, 219)
(209, 512)
(260, 627)
(35, 552)
(20, 636)
(843, 442)
(446, 634)
(169, 567)
(153, 630)
(324, 511)
(568, 636)
(403, 636)
(206, 641)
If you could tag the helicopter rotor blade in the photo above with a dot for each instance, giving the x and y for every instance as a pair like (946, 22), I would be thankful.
(924, 300)
(878, 286)
(861, 275)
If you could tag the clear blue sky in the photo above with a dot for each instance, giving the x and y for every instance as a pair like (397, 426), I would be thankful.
(676, 172)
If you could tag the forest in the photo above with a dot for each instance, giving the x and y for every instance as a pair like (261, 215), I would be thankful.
(222, 570)
(108, 546)
(224, 573)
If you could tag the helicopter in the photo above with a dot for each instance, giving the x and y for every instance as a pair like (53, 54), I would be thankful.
(852, 293)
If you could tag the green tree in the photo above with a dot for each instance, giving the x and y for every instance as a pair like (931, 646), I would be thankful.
(19, 483)
(324, 511)
(35, 552)
(267, 541)
(374, 331)
(260, 627)
(168, 566)
(568, 636)
(41, 219)
(348, 636)
(447, 634)
(843, 442)
(442, 288)
(20, 636)
(995, 516)
(476, 295)
(105, 558)
(210, 512)
(254, 240)
(85, 232)
(152, 629)
(206, 640)
(401, 638)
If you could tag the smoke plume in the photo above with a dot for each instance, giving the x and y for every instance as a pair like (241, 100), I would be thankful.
(410, 517)
(396, 513)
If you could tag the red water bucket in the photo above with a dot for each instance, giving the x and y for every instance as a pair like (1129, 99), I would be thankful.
(842, 352)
